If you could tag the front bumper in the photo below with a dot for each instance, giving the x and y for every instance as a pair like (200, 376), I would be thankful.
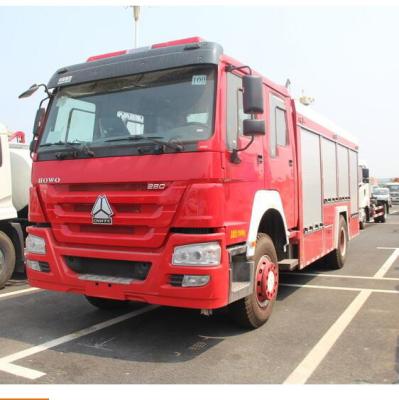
(155, 289)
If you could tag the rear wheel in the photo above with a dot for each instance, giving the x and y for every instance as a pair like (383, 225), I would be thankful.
(254, 310)
(362, 222)
(106, 304)
(7, 258)
(336, 259)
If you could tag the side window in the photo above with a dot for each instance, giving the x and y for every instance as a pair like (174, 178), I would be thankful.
(235, 110)
(81, 125)
(75, 119)
(278, 125)
(281, 127)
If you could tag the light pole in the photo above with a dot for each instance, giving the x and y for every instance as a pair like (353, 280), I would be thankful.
(136, 15)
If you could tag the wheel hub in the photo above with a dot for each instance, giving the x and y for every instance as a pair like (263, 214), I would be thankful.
(266, 280)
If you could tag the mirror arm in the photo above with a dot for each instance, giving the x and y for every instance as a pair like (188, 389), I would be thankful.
(46, 98)
(231, 67)
(234, 153)
(45, 89)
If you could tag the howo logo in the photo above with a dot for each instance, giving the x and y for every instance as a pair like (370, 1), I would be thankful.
(101, 212)
(49, 180)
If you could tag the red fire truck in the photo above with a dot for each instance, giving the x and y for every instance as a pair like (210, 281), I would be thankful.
(176, 175)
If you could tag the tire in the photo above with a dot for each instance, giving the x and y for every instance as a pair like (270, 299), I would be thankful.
(107, 304)
(367, 214)
(336, 259)
(362, 223)
(254, 310)
(7, 259)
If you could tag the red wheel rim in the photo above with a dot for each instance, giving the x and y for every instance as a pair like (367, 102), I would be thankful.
(266, 280)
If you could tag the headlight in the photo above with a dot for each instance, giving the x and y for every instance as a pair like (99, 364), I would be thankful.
(35, 244)
(197, 254)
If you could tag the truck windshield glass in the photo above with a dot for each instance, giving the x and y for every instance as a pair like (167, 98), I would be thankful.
(173, 106)
(381, 191)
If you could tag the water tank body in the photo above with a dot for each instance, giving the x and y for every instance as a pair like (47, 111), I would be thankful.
(21, 165)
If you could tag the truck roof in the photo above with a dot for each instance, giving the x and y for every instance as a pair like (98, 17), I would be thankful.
(320, 119)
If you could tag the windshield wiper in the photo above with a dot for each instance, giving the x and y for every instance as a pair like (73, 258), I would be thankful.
(153, 139)
(82, 149)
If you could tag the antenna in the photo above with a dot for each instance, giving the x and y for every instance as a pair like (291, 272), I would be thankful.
(136, 16)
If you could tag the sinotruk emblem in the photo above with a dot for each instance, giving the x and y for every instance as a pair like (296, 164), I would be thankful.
(101, 212)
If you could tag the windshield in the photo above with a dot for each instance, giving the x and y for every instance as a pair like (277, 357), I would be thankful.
(393, 188)
(172, 106)
(381, 191)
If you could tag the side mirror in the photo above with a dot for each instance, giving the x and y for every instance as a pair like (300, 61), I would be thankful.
(253, 127)
(365, 175)
(40, 113)
(29, 92)
(253, 94)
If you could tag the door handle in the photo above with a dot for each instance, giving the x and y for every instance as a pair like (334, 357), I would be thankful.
(259, 159)
(290, 163)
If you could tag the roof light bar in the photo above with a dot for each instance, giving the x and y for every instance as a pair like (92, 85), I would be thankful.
(106, 55)
(194, 39)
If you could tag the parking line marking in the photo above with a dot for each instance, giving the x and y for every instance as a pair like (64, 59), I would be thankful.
(387, 264)
(350, 289)
(21, 371)
(309, 364)
(337, 276)
(5, 362)
(15, 292)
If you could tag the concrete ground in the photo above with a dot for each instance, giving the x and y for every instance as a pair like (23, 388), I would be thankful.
(327, 327)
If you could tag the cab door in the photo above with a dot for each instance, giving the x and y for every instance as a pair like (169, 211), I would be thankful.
(244, 175)
(281, 170)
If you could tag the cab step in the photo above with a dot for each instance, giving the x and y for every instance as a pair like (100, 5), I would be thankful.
(288, 264)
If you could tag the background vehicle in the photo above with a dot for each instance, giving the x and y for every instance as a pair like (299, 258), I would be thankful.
(156, 183)
(393, 190)
(15, 169)
(382, 196)
(370, 208)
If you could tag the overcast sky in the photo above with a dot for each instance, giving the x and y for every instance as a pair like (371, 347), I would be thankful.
(345, 57)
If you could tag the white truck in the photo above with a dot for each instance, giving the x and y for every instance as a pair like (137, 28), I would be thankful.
(15, 169)
(369, 207)
(393, 190)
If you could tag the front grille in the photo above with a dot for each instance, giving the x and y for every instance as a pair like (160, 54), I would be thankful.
(176, 280)
(108, 268)
(141, 217)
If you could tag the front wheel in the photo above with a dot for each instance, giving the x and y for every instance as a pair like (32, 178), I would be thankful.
(362, 222)
(336, 259)
(254, 310)
(106, 304)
